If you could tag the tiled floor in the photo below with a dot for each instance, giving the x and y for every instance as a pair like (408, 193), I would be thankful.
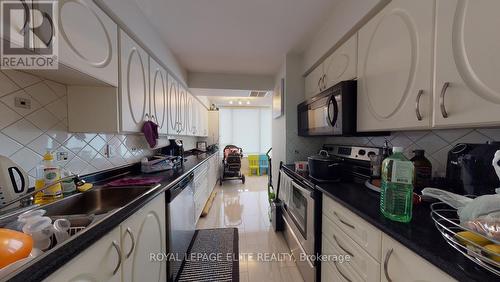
(246, 207)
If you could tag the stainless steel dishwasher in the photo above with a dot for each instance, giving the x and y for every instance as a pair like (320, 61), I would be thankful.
(180, 222)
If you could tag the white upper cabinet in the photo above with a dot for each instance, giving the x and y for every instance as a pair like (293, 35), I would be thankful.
(88, 40)
(134, 84)
(182, 110)
(313, 82)
(395, 67)
(19, 23)
(342, 64)
(467, 64)
(173, 106)
(159, 95)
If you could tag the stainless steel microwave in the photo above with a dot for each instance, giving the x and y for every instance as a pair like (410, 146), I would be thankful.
(330, 113)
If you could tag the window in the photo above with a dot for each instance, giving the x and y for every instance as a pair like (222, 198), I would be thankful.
(248, 128)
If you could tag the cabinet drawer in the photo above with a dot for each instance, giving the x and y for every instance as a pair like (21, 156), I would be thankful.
(364, 265)
(360, 231)
(348, 270)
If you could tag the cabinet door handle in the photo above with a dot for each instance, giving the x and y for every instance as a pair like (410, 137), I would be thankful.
(342, 274)
(319, 83)
(341, 247)
(417, 104)
(119, 252)
(344, 222)
(324, 81)
(444, 113)
(132, 238)
(386, 264)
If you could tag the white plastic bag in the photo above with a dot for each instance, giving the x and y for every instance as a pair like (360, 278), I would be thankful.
(468, 209)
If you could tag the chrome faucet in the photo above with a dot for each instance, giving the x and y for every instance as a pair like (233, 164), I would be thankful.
(27, 199)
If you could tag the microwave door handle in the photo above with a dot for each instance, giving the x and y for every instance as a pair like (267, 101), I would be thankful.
(332, 101)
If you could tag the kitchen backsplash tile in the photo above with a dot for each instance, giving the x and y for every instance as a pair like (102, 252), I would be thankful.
(436, 143)
(25, 134)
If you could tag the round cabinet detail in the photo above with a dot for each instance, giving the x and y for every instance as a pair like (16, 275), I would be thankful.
(77, 18)
(476, 53)
(148, 241)
(337, 66)
(136, 86)
(174, 103)
(160, 103)
(389, 66)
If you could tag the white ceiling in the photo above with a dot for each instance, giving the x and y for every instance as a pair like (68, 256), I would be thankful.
(235, 36)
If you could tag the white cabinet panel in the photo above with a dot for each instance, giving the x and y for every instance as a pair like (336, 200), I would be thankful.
(183, 130)
(394, 66)
(19, 24)
(88, 40)
(141, 235)
(361, 263)
(467, 59)
(313, 82)
(96, 263)
(173, 106)
(401, 264)
(189, 115)
(159, 95)
(360, 231)
(342, 64)
(134, 84)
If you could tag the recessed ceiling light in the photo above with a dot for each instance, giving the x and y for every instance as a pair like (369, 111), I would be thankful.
(239, 103)
(230, 102)
(248, 102)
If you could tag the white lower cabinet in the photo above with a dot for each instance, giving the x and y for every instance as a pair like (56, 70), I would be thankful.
(123, 254)
(401, 264)
(99, 262)
(142, 234)
(374, 255)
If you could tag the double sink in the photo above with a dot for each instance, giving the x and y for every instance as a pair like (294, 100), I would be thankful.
(84, 210)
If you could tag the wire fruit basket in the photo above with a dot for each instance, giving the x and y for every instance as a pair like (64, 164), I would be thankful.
(447, 222)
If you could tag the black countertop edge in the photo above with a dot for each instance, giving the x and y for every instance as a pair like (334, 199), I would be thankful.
(47, 264)
(420, 235)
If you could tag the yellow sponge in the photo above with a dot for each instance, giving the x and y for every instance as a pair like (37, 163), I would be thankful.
(85, 187)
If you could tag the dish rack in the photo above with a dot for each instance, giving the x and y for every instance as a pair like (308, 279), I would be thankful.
(447, 222)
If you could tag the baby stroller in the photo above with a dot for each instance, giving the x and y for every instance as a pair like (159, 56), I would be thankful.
(232, 164)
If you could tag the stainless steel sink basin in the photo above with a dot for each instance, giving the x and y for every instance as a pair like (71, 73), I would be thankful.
(96, 201)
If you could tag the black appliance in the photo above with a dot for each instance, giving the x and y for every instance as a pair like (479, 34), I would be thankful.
(354, 161)
(181, 223)
(175, 148)
(332, 112)
(469, 169)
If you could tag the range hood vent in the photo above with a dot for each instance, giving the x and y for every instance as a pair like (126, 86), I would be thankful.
(258, 94)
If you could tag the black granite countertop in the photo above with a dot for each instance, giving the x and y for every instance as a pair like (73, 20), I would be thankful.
(45, 265)
(420, 235)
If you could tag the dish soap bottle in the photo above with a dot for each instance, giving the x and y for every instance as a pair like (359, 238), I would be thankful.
(396, 193)
(47, 173)
(423, 171)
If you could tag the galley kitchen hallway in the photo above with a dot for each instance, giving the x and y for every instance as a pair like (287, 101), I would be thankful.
(245, 206)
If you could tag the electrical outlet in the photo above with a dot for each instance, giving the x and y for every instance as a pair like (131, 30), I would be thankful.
(24, 103)
(62, 156)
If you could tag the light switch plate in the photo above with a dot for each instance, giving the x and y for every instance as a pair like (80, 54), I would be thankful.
(62, 156)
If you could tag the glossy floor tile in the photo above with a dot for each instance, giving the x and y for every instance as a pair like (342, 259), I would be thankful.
(264, 253)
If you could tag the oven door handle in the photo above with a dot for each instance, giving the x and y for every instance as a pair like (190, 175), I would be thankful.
(302, 189)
